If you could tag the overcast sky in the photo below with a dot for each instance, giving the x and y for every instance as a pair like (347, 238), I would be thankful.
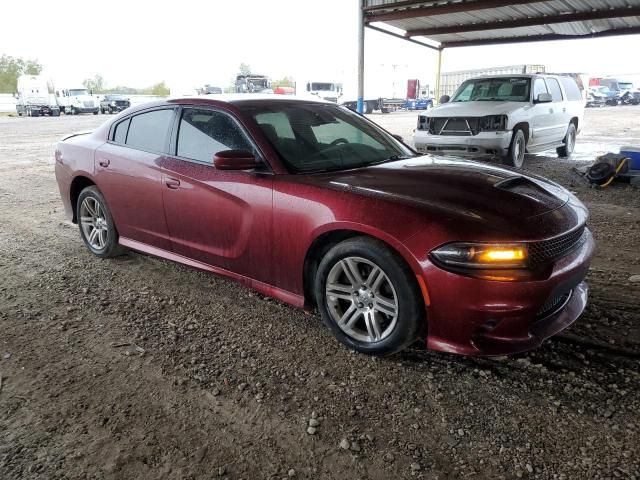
(196, 42)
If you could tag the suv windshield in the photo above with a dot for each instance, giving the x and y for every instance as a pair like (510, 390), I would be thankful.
(323, 86)
(78, 91)
(313, 137)
(501, 89)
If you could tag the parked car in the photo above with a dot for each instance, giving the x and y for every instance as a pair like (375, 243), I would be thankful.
(113, 103)
(596, 98)
(612, 98)
(505, 116)
(317, 206)
(74, 101)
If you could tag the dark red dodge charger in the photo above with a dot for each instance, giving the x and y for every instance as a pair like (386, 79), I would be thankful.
(317, 206)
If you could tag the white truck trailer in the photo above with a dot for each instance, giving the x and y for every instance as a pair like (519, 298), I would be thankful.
(450, 81)
(36, 97)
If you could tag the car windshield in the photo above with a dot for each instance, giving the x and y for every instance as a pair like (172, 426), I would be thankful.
(502, 89)
(625, 85)
(311, 137)
(78, 91)
(323, 86)
(114, 97)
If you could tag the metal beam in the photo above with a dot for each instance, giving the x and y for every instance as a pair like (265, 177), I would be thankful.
(360, 100)
(527, 22)
(393, 5)
(397, 35)
(442, 9)
(541, 38)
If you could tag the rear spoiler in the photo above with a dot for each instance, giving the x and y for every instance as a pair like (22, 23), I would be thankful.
(75, 134)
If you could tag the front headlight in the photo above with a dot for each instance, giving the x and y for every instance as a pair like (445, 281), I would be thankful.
(493, 123)
(113, 104)
(464, 255)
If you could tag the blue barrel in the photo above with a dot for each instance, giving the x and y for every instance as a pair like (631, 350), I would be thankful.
(634, 156)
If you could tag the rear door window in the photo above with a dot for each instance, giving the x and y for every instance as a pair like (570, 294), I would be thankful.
(149, 131)
(554, 89)
(120, 135)
(571, 88)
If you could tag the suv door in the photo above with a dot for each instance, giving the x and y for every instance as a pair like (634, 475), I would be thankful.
(560, 116)
(218, 217)
(541, 116)
(129, 175)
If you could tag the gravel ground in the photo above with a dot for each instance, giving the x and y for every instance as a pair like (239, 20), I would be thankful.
(141, 368)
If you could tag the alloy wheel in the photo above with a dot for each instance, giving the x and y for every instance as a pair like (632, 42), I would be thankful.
(94, 223)
(361, 299)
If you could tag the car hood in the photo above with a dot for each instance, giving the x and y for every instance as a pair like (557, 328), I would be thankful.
(475, 109)
(455, 191)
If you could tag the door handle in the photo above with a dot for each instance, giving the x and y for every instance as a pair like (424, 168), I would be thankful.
(104, 162)
(172, 183)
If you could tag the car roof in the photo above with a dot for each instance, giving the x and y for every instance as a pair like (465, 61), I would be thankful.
(237, 98)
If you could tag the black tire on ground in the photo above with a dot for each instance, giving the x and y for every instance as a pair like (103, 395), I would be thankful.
(102, 110)
(569, 141)
(111, 247)
(411, 313)
(96, 112)
(517, 149)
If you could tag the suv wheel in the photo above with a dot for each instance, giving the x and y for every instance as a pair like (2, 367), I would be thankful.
(569, 141)
(517, 149)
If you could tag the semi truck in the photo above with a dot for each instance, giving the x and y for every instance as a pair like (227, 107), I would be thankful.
(77, 100)
(253, 83)
(35, 97)
(330, 91)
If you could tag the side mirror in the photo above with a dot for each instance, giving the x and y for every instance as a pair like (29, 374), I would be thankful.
(445, 98)
(234, 160)
(398, 137)
(15, 95)
(544, 98)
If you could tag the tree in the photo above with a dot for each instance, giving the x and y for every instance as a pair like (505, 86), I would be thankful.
(11, 68)
(244, 69)
(283, 82)
(95, 84)
(160, 89)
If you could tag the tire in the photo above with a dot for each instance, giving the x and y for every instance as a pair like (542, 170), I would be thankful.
(93, 215)
(569, 141)
(102, 111)
(517, 149)
(110, 110)
(394, 283)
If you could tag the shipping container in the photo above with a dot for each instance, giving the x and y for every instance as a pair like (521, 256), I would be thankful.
(450, 81)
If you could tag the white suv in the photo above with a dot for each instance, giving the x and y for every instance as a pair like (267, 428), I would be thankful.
(505, 116)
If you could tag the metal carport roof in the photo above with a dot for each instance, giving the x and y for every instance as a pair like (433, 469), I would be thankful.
(458, 23)
(441, 24)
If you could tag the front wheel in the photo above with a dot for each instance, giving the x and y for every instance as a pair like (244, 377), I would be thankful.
(368, 297)
(566, 150)
(96, 224)
(517, 149)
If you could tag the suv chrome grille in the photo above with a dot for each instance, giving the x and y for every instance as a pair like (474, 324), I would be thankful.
(549, 250)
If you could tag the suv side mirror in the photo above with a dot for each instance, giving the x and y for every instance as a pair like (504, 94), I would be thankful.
(234, 160)
(445, 98)
(544, 98)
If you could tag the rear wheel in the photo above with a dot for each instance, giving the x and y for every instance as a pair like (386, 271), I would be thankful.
(517, 149)
(566, 150)
(96, 224)
(368, 297)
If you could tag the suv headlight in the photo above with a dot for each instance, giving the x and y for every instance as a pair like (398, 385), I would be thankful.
(463, 255)
(493, 123)
(113, 104)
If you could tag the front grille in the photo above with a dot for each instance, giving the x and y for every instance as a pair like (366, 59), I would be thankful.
(88, 104)
(122, 103)
(549, 250)
(453, 126)
(553, 305)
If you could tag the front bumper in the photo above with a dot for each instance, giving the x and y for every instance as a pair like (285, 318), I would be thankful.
(469, 316)
(488, 144)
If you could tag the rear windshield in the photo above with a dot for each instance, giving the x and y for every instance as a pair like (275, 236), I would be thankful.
(500, 89)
